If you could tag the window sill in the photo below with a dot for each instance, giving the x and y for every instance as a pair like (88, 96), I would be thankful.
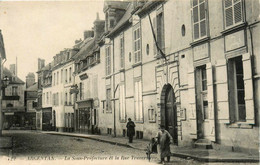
(152, 121)
(108, 112)
(123, 121)
(234, 28)
(137, 64)
(199, 41)
(241, 125)
(139, 121)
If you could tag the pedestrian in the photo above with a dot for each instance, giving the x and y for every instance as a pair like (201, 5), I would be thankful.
(130, 130)
(164, 139)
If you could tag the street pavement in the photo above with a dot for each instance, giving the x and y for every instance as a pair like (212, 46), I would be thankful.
(32, 147)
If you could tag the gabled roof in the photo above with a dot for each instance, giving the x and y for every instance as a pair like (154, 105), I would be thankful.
(9, 74)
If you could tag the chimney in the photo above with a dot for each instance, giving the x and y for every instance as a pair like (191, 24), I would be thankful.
(41, 63)
(13, 69)
(30, 79)
(88, 34)
(99, 27)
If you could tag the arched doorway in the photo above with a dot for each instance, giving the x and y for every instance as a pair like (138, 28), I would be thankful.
(169, 112)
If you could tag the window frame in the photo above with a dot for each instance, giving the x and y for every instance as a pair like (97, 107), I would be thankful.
(137, 43)
(108, 100)
(122, 50)
(108, 60)
(206, 19)
(233, 14)
(138, 100)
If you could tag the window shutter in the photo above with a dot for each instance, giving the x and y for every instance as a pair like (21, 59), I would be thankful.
(229, 16)
(135, 100)
(211, 109)
(222, 91)
(248, 82)
(192, 105)
(238, 12)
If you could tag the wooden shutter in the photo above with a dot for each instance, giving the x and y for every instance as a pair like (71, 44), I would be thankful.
(238, 11)
(222, 91)
(192, 105)
(249, 92)
(211, 109)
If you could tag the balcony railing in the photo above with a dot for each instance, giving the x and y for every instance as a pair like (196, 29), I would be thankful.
(11, 97)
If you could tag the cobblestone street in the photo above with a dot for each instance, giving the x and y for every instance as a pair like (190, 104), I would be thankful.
(34, 146)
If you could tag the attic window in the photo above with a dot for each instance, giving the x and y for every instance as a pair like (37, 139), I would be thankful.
(112, 22)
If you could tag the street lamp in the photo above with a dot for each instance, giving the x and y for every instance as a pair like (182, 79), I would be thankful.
(5, 82)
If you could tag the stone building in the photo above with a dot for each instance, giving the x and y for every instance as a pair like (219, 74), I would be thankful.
(13, 102)
(199, 78)
(89, 74)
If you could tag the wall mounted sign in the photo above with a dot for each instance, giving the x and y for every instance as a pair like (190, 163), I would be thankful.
(83, 76)
(235, 40)
(201, 51)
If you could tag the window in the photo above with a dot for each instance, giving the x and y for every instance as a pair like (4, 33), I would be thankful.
(199, 19)
(57, 78)
(66, 96)
(70, 99)
(70, 74)
(43, 98)
(137, 44)
(61, 75)
(122, 102)
(14, 91)
(202, 91)
(151, 114)
(81, 91)
(204, 88)
(237, 89)
(160, 30)
(108, 61)
(233, 12)
(122, 50)
(108, 100)
(138, 100)
(54, 79)
(66, 76)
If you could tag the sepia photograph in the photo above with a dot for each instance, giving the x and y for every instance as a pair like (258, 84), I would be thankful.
(129, 82)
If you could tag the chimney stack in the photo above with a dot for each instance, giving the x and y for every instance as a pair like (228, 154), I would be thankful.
(30, 79)
(88, 34)
(99, 27)
(13, 69)
(41, 63)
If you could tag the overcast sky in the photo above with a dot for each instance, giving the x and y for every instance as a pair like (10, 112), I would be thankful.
(38, 29)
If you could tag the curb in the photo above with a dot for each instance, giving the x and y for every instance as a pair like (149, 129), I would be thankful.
(206, 159)
(180, 155)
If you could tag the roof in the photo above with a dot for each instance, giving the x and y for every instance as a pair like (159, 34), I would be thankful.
(34, 87)
(2, 46)
(149, 5)
(8, 73)
(124, 20)
(122, 5)
(86, 50)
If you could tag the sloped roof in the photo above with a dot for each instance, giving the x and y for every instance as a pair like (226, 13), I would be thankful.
(34, 87)
(115, 4)
(123, 20)
(2, 46)
(8, 73)
(86, 50)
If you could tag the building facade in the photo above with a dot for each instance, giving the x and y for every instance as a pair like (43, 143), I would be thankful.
(13, 102)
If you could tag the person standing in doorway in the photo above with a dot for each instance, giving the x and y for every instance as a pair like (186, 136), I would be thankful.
(164, 139)
(130, 130)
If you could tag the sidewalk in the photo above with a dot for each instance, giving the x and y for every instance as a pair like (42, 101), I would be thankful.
(183, 152)
(6, 142)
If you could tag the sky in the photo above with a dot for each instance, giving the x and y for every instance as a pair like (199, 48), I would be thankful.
(41, 29)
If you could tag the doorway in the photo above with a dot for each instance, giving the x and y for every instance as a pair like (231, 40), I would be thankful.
(169, 112)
